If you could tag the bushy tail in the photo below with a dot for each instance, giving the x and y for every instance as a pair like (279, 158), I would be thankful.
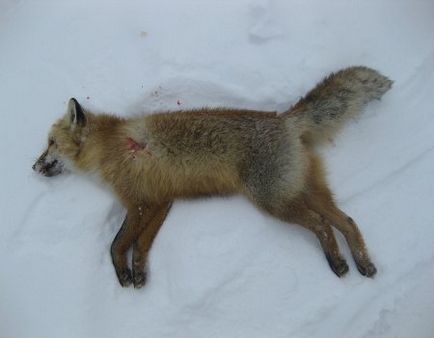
(336, 99)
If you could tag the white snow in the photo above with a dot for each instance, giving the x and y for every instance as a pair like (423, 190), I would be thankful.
(219, 267)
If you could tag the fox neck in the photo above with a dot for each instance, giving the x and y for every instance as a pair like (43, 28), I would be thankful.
(100, 137)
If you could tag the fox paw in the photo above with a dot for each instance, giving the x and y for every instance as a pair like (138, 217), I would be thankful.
(367, 269)
(124, 276)
(338, 265)
(139, 279)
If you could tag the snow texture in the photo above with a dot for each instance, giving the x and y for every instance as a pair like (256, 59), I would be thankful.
(219, 267)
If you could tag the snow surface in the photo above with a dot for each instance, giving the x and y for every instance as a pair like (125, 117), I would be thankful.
(218, 268)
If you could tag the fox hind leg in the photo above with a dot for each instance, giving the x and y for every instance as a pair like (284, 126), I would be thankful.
(353, 236)
(296, 211)
(319, 198)
(300, 214)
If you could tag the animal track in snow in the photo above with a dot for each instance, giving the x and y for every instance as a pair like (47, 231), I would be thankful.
(262, 28)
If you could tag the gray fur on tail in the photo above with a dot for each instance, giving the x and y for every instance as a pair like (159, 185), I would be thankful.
(336, 99)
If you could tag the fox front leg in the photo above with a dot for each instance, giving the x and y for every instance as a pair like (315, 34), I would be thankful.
(137, 217)
(119, 247)
(144, 242)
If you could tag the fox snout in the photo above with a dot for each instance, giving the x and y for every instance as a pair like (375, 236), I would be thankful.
(48, 166)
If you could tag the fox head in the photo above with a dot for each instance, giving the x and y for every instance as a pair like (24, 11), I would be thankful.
(64, 141)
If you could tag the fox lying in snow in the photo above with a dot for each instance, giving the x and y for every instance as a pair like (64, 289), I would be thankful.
(150, 161)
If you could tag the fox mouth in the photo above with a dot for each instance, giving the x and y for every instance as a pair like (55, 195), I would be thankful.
(48, 169)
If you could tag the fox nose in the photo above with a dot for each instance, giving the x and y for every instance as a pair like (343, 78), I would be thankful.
(34, 167)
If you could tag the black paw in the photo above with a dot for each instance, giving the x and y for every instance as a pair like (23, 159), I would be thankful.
(124, 276)
(139, 279)
(366, 269)
(338, 265)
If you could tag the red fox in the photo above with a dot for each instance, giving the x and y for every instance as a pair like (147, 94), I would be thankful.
(270, 158)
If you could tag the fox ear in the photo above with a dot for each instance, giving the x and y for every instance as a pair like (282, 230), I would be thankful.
(76, 113)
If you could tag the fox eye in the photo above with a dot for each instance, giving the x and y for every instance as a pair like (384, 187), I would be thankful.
(51, 142)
